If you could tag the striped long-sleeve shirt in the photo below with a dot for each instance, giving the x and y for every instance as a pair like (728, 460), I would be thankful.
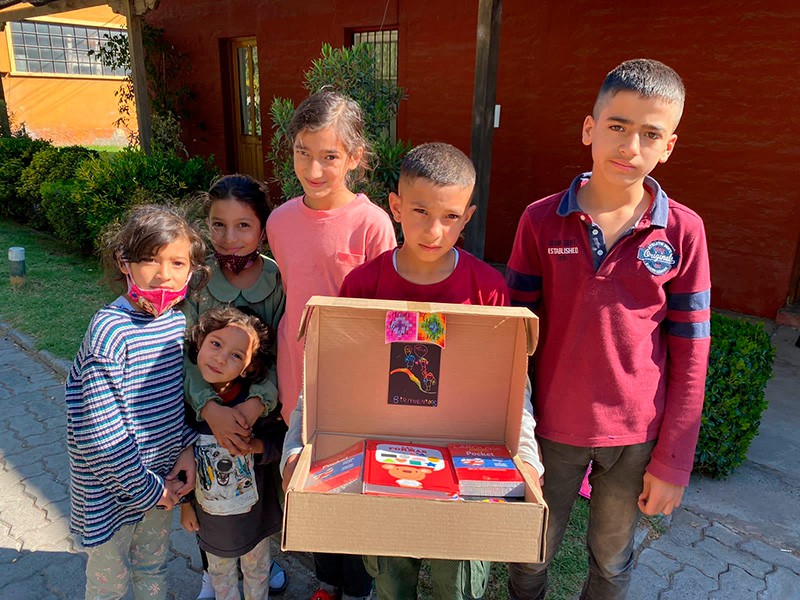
(625, 330)
(125, 417)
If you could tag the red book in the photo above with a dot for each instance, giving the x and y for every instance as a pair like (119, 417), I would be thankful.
(414, 470)
(486, 470)
(338, 473)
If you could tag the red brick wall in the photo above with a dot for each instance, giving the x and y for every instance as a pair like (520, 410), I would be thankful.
(735, 155)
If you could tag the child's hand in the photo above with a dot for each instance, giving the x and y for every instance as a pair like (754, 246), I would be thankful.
(229, 426)
(189, 518)
(534, 474)
(659, 496)
(288, 470)
(257, 446)
(251, 409)
(187, 464)
(169, 498)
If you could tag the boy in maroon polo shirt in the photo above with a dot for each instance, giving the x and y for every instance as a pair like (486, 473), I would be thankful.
(618, 274)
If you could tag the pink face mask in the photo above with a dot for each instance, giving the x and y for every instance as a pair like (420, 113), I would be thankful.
(158, 301)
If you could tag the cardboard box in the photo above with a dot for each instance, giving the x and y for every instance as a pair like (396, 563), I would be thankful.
(482, 376)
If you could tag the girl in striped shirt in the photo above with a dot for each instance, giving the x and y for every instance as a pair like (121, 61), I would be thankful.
(125, 419)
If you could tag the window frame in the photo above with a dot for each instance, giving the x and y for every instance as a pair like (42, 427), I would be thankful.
(12, 54)
(351, 35)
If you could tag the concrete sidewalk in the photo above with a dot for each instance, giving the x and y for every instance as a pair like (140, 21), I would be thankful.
(738, 538)
(39, 558)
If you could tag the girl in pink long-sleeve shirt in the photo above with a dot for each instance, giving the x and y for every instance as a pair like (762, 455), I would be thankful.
(317, 239)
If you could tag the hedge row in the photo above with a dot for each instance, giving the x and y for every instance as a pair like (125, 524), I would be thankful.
(75, 193)
(739, 367)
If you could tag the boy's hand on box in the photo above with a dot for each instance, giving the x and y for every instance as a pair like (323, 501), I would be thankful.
(186, 465)
(189, 518)
(251, 409)
(229, 426)
(288, 470)
(534, 474)
(659, 496)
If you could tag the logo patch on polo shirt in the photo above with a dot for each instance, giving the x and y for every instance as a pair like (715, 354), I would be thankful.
(562, 248)
(658, 256)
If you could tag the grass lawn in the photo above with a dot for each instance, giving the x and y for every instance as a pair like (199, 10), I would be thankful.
(566, 574)
(62, 292)
(102, 149)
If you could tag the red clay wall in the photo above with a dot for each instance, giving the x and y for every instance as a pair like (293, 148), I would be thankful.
(735, 157)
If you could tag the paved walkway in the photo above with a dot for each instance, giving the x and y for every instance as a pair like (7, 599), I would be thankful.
(39, 558)
(738, 538)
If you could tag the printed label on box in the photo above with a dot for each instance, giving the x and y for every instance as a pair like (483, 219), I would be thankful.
(414, 374)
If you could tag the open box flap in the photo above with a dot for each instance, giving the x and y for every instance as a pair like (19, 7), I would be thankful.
(482, 372)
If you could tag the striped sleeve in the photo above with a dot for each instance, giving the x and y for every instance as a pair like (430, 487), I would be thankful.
(688, 332)
(689, 314)
(524, 272)
(188, 436)
(103, 440)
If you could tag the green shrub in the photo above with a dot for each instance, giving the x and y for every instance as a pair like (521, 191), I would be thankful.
(16, 153)
(739, 366)
(48, 165)
(60, 208)
(105, 188)
(354, 73)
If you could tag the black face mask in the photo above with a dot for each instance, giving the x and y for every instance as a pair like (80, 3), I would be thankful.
(236, 263)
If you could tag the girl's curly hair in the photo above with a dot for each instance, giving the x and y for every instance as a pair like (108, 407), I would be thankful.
(144, 231)
(262, 335)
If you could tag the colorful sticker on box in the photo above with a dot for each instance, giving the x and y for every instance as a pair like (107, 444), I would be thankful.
(404, 326)
(401, 326)
(431, 328)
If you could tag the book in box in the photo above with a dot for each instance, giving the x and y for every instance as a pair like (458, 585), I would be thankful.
(410, 470)
(486, 470)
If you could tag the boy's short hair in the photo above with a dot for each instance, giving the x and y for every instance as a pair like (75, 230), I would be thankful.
(648, 78)
(439, 163)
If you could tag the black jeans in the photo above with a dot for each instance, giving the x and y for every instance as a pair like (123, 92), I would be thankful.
(344, 571)
(616, 480)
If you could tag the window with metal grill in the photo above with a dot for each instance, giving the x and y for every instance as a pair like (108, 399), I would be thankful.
(60, 49)
(385, 45)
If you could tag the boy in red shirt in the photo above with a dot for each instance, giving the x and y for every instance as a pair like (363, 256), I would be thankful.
(618, 274)
(433, 207)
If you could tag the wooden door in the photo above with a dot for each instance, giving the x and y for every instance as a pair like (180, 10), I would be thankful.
(246, 107)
